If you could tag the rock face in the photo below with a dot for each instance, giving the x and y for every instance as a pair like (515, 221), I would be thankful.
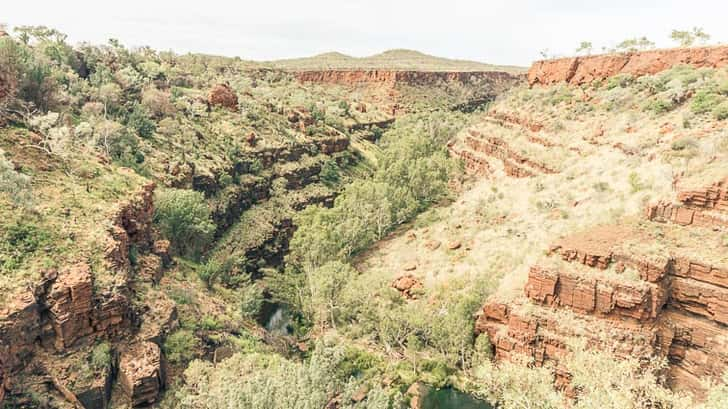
(584, 70)
(224, 96)
(142, 373)
(703, 207)
(70, 305)
(663, 287)
(480, 153)
(420, 78)
(67, 310)
(131, 226)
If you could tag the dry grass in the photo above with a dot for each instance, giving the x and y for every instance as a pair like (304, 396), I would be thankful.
(612, 163)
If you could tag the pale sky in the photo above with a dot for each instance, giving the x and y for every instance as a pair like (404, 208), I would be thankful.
(496, 31)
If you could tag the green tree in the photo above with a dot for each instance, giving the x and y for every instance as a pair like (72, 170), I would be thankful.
(138, 120)
(635, 44)
(326, 285)
(268, 381)
(688, 38)
(183, 216)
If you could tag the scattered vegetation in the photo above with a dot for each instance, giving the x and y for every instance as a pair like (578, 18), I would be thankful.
(184, 217)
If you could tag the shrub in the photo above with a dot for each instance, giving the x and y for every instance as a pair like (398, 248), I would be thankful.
(705, 101)
(684, 143)
(659, 106)
(180, 346)
(329, 174)
(138, 120)
(251, 301)
(720, 112)
(20, 241)
(619, 80)
(635, 182)
(209, 323)
(209, 272)
(101, 356)
(15, 185)
(184, 218)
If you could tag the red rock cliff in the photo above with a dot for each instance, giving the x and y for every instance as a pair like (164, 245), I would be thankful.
(583, 70)
(354, 77)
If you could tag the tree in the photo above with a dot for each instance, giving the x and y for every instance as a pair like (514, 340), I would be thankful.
(269, 381)
(184, 218)
(326, 284)
(688, 38)
(585, 47)
(635, 44)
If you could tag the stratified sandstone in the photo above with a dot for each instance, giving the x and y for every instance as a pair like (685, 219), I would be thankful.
(141, 373)
(673, 304)
(70, 304)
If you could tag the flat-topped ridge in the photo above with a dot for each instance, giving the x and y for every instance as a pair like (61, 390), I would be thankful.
(587, 69)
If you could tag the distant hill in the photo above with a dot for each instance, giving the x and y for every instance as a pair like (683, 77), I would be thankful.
(403, 60)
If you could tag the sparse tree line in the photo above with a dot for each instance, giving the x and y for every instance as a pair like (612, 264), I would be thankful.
(681, 38)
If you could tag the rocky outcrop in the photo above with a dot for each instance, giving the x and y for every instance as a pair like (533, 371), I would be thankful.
(142, 373)
(131, 225)
(598, 296)
(70, 304)
(68, 309)
(702, 207)
(224, 96)
(515, 164)
(671, 300)
(584, 70)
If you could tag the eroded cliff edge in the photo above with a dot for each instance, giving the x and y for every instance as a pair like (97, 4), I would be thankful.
(584, 70)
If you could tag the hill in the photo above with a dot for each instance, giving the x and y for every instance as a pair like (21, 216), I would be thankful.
(399, 60)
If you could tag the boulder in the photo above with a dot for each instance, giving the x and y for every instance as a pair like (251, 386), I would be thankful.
(407, 285)
(224, 96)
(432, 245)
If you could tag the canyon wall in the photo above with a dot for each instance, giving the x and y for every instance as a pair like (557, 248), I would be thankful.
(388, 77)
(584, 70)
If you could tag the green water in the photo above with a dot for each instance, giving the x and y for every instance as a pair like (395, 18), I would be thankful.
(448, 398)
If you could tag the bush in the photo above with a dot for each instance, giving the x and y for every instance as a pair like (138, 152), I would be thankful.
(635, 183)
(659, 106)
(180, 346)
(20, 241)
(269, 381)
(619, 80)
(329, 174)
(138, 120)
(184, 219)
(209, 323)
(684, 144)
(14, 185)
(720, 112)
(101, 357)
(209, 272)
(705, 101)
(251, 301)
